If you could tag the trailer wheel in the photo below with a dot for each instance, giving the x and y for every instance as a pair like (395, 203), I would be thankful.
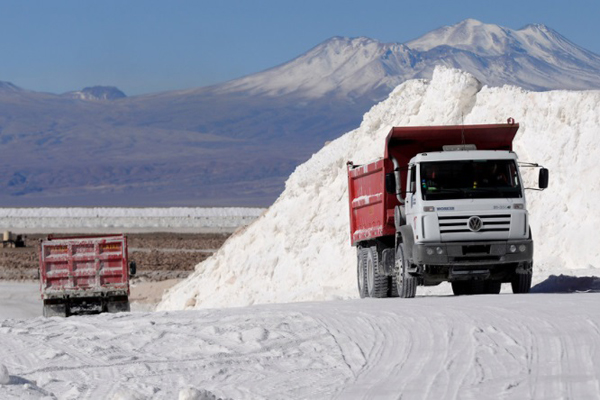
(521, 283)
(377, 284)
(406, 283)
(361, 272)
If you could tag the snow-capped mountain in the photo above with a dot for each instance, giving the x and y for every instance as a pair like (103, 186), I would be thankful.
(97, 93)
(235, 143)
(534, 57)
(340, 66)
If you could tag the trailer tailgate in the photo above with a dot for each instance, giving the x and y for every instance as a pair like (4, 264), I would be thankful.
(82, 266)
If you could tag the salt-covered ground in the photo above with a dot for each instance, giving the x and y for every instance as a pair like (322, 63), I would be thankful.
(20, 300)
(536, 346)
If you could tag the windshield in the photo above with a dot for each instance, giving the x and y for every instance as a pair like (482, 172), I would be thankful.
(477, 179)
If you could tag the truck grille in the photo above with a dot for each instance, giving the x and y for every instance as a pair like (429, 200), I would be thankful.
(460, 223)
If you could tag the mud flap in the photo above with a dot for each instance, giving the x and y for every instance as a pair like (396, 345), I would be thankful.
(118, 304)
(55, 309)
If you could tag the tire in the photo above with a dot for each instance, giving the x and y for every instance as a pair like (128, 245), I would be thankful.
(521, 283)
(406, 283)
(361, 272)
(492, 287)
(377, 284)
(393, 286)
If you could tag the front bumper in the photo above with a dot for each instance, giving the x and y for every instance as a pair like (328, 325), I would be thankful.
(473, 253)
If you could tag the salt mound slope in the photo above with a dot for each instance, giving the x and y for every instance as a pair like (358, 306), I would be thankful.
(299, 250)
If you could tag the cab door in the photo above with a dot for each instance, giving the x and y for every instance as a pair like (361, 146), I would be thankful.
(411, 194)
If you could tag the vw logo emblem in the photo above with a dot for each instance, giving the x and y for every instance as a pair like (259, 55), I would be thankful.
(475, 224)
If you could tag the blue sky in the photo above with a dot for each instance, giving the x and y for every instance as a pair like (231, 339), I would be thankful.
(150, 46)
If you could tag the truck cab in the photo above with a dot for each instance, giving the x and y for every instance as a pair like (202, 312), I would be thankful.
(468, 218)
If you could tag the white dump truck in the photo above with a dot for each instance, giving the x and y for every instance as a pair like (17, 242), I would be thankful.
(445, 203)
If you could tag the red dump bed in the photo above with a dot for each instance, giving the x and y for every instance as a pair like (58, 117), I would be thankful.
(84, 266)
(371, 207)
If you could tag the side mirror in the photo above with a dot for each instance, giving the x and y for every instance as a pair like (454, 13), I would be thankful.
(390, 183)
(132, 268)
(543, 180)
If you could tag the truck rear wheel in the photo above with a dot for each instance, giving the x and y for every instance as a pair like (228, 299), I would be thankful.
(406, 283)
(393, 286)
(361, 272)
(377, 284)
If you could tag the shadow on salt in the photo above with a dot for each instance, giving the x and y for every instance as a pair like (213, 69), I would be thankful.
(568, 284)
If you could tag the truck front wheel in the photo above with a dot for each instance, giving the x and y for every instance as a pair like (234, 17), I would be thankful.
(521, 280)
(406, 283)
(521, 283)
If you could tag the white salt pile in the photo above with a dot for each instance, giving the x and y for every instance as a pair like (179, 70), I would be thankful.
(299, 250)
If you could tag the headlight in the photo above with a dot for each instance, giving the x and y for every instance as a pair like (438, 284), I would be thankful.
(439, 250)
(522, 248)
(512, 248)
(429, 251)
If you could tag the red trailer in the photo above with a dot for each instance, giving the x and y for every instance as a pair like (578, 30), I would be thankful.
(371, 207)
(84, 274)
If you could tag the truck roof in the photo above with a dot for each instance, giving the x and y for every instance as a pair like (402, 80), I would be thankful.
(411, 140)
(464, 155)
